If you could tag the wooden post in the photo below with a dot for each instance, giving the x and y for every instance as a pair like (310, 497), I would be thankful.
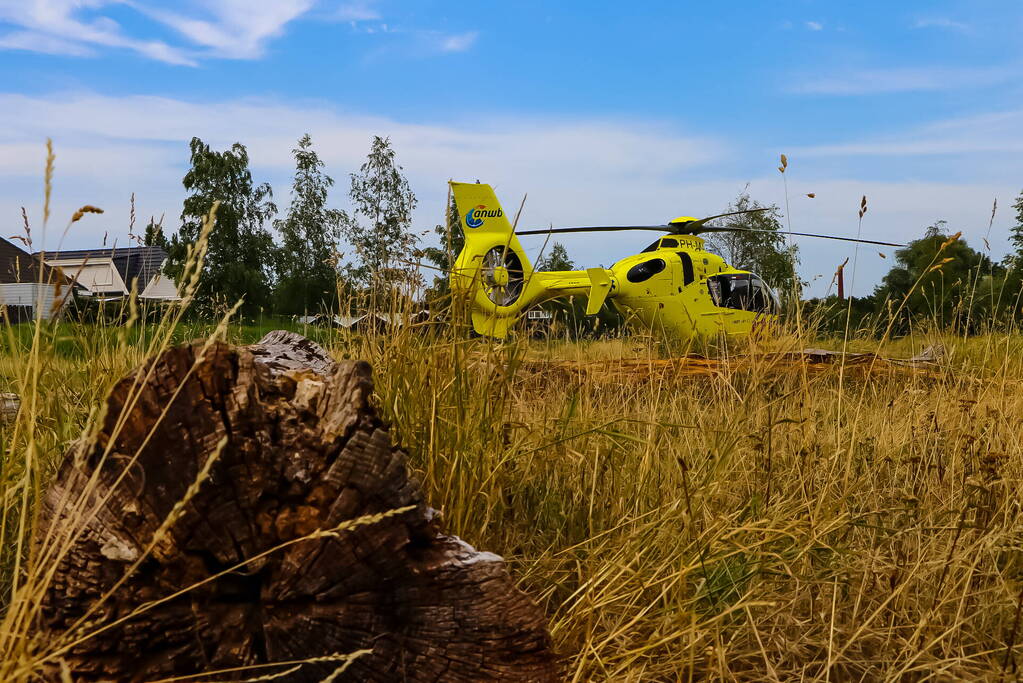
(236, 489)
(840, 276)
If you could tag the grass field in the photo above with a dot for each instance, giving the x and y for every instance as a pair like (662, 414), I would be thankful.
(761, 522)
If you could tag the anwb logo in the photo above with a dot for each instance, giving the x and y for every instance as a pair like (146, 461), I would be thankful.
(476, 216)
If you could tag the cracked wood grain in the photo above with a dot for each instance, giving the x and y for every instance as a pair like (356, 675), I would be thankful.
(303, 451)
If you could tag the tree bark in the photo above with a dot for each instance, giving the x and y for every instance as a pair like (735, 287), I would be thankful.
(296, 450)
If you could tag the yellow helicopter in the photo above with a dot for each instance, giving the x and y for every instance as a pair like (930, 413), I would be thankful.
(674, 287)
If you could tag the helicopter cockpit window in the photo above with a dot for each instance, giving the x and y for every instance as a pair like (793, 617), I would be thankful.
(663, 243)
(645, 270)
(743, 292)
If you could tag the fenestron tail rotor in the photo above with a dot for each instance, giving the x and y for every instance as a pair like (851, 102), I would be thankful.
(502, 275)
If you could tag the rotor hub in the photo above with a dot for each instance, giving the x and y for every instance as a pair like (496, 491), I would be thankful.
(502, 275)
(499, 276)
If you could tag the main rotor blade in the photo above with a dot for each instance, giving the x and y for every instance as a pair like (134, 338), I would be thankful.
(698, 224)
(676, 228)
(598, 228)
(804, 234)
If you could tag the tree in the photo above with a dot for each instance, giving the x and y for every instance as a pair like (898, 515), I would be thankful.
(571, 311)
(557, 260)
(452, 241)
(379, 230)
(307, 276)
(239, 256)
(935, 276)
(1016, 231)
(154, 236)
(763, 253)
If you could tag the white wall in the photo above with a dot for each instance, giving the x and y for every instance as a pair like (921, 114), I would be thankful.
(34, 294)
(161, 287)
(96, 274)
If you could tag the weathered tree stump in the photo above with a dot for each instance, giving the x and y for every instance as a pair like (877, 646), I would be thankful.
(297, 449)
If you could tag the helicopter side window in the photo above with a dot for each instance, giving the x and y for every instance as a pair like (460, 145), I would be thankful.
(739, 296)
(741, 291)
(667, 243)
(645, 270)
(758, 299)
(687, 268)
(714, 286)
(764, 297)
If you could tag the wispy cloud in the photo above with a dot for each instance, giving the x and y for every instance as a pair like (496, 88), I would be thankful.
(903, 79)
(225, 29)
(108, 147)
(998, 133)
(217, 28)
(46, 44)
(459, 42)
(232, 28)
(941, 22)
(71, 27)
(814, 25)
(357, 10)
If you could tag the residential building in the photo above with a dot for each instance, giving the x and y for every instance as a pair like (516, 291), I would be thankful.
(110, 274)
(30, 289)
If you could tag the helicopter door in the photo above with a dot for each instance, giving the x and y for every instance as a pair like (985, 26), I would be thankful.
(688, 276)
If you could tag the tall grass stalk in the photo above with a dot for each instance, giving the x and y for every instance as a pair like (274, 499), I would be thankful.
(752, 523)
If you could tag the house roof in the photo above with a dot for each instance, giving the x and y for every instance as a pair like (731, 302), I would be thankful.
(139, 264)
(17, 265)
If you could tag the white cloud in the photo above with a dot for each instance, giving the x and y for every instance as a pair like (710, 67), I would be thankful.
(589, 171)
(221, 28)
(71, 27)
(357, 10)
(903, 79)
(233, 28)
(999, 133)
(33, 41)
(459, 43)
(108, 147)
(942, 22)
(814, 25)
(227, 29)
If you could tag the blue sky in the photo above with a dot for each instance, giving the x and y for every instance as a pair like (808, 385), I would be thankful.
(601, 111)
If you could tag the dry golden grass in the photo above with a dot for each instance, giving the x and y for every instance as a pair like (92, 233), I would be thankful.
(757, 523)
(761, 522)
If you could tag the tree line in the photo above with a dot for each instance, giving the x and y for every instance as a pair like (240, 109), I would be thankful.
(937, 278)
(304, 269)
(937, 281)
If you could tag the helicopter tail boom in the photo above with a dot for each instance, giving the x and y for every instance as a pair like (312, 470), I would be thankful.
(495, 274)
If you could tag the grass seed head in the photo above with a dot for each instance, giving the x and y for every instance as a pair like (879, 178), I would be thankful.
(88, 208)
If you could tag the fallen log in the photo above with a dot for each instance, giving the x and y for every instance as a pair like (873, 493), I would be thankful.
(242, 507)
